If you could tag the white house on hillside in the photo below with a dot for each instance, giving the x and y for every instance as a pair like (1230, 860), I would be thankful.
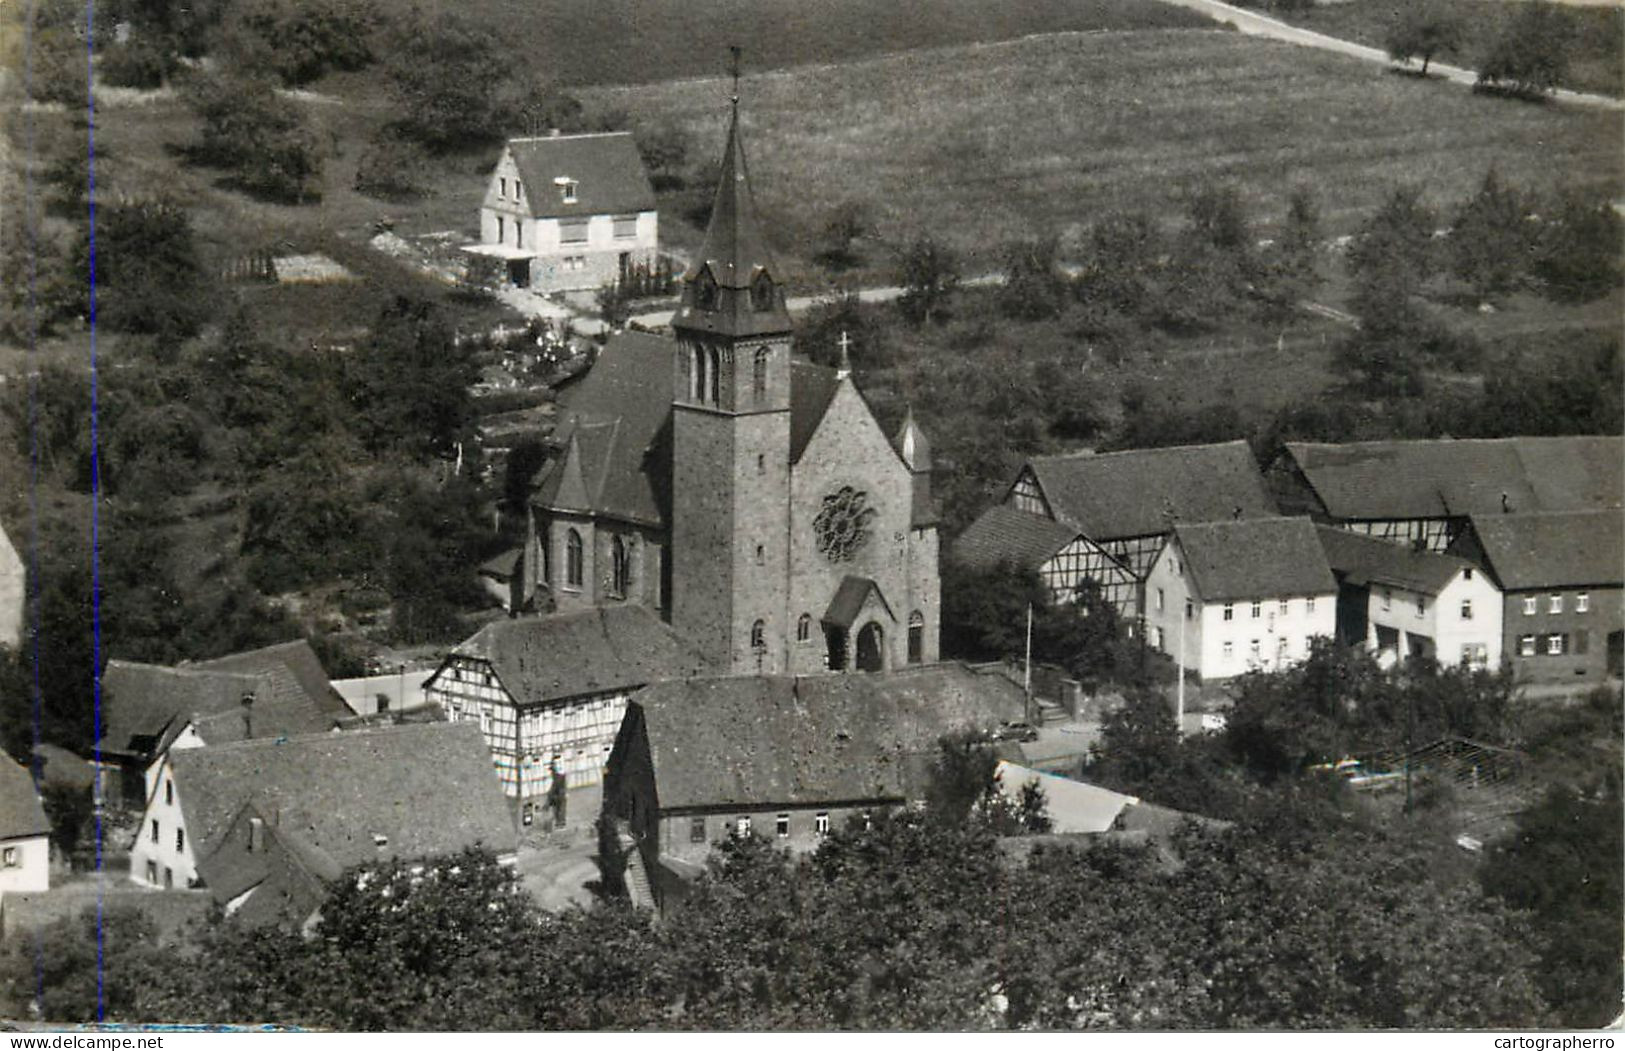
(1242, 595)
(1401, 602)
(25, 851)
(567, 212)
(13, 592)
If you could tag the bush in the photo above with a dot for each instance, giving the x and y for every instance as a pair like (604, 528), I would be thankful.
(149, 277)
(139, 63)
(303, 39)
(262, 138)
(391, 168)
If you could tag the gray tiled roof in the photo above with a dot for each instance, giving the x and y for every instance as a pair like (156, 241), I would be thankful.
(298, 679)
(1361, 559)
(1443, 477)
(145, 705)
(1255, 558)
(746, 741)
(607, 169)
(1003, 534)
(1142, 492)
(1563, 549)
(21, 814)
(426, 789)
(597, 650)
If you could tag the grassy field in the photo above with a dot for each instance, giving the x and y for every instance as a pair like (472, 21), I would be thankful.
(982, 143)
(1596, 57)
(633, 41)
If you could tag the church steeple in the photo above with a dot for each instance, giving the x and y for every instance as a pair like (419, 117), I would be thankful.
(732, 288)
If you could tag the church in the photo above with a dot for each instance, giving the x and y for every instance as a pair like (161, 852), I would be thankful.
(746, 494)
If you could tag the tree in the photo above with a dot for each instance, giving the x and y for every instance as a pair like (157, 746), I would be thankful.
(445, 75)
(391, 168)
(59, 71)
(1423, 30)
(845, 224)
(533, 105)
(1530, 56)
(261, 137)
(664, 150)
(1577, 253)
(149, 277)
(410, 383)
(1292, 271)
(138, 63)
(1032, 280)
(930, 277)
(1392, 257)
(303, 39)
(1491, 244)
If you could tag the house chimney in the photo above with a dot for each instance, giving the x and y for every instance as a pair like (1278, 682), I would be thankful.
(1506, 505)
(256, 835)
(248, 715)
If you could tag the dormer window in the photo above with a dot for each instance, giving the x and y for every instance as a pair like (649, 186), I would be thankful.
(567, 191)
(705, 291)
(761, 293)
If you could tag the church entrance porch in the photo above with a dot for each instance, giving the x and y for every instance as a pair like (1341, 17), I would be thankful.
(871, 648)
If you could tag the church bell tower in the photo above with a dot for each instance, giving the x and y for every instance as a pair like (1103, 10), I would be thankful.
(731, 436)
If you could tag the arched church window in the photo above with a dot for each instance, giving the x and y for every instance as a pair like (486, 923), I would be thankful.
(572, 559)
(804, 629)
(621, 565)
(697, 375)
(716, 378)
(759, 374)
(842, 524)
(916, 637)
(758, 636)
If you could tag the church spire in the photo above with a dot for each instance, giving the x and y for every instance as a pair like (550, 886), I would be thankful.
(732, 287)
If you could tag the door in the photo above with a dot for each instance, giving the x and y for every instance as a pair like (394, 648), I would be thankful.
(871, 648)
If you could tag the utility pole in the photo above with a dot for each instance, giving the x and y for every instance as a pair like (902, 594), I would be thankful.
(1027, 671)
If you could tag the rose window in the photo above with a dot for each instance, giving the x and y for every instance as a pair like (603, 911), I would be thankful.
(842, 525)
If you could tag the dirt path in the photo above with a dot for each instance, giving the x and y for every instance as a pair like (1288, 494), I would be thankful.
(1254, 24)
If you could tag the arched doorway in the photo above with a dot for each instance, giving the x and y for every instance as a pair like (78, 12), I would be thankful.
(871, 648)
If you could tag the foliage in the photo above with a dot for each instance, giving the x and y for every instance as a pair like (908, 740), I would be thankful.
(532, 105)
(664, 150)
(1530, 56)
(69, 809)
(410, 383)
(446, 80)
(930, 277)
(1578, 249)
(261, 137)
(1391, 258)
(1032, 281)
(59, 71)
(301, 40)
(391, 168)
(1292, 272)
(1423, 30)
(149, 279)
(845, 224)
(1492, 241)
(140, 62)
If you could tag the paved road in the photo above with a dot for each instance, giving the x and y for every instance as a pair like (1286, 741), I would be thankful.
(1255, 24)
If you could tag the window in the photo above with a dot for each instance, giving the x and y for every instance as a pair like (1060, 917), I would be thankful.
(742, 826)
(1254, 651)
(519, 233)
(781, 826)
(155, 831)
(1466, 609)
(1467, 574)
(572, 559)
(1309, 604)
(626, 226)
(759, 374)
(1286, 606)
(1387, 598)
(567, 190)
(504, 191)
(716, 378)
(1582, 602)
(1229, 650)
(1159, 600)
(1281, 648)
(821, 823)
(169, 792)
(696, 830)
(621, 565)
(152, 873)
(1556, 645)
(916, 637)
(1258, 609)
(502, 230)
(804, 628)
(868, 821)
(1474, 655)
(1421, 605)
(761, 294)
(1229, 611)
(1529, 605)
(1526, 645)
(761, 463)
(9, 858)
(572, 231)
(1156, 637)
(758, 636)
(761, 555)
(180, 840)
(1190, 609)
(1554, 604)
(697, 392)
(169, 878)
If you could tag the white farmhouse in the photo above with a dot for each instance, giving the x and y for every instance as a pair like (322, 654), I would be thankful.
(25, 852)
(567, 212)
(1401, 602)
(1243, 595)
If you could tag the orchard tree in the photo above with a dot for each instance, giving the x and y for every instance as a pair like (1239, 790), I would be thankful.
(1423, 29)
(1530, 56)
(1392, 256)
(1033, 284)
(1293, 271)
(262, 138)
(930, 277)
(1492, 242)
(1577, 254)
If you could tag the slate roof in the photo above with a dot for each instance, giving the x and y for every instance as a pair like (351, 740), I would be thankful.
(145, 705)
(1141, 492)
(849, 598)
(615, 430)
(1360, 559)
(597, 650)
(772, 740)
(296, 673)
(427, 788)
(1255, 558)
(1449, 477)
(21, 815)
(1004, 534)
(735, 255)
(1564, 549)
(606, 167)
(287, 874)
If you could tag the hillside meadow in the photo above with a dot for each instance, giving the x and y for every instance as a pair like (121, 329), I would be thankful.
(978, 144)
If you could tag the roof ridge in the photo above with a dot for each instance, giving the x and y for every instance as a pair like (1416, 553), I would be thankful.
(1089, 454)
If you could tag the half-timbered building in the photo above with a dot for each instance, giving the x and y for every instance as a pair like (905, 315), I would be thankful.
(1103, 517)
(549, 692)
(1422, 492)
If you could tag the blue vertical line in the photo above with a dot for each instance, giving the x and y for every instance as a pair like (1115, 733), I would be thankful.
(95, 502)
(30, 229)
